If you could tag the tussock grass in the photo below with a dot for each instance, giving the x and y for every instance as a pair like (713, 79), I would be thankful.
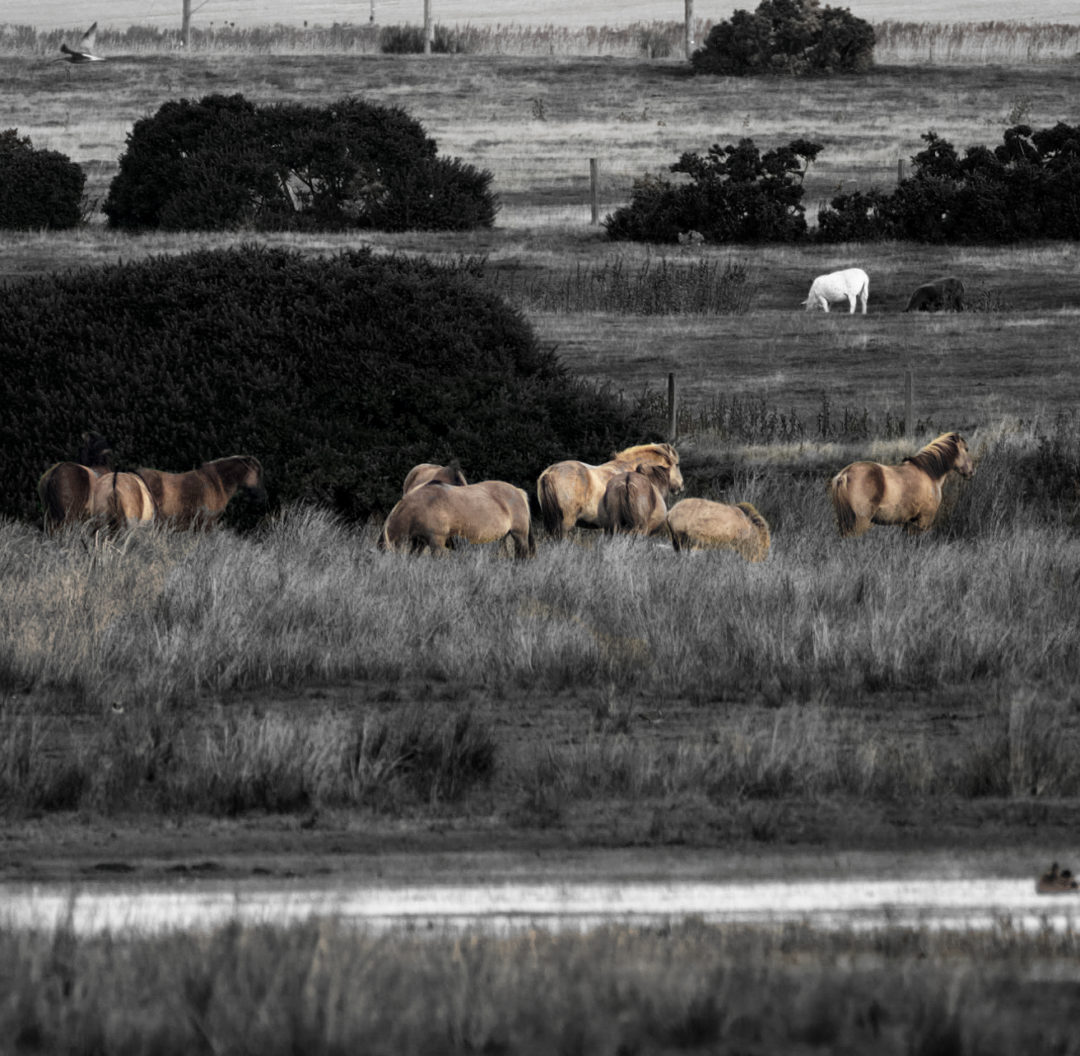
(320, 987)
(139, 630)
(140, 758)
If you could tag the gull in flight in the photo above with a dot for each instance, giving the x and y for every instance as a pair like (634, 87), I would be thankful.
(85, 51)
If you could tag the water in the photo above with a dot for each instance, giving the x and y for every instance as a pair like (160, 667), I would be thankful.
(509, 907)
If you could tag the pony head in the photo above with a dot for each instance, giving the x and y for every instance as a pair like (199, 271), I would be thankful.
(946, 452)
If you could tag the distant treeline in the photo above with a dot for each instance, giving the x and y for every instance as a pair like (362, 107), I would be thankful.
(897, 42)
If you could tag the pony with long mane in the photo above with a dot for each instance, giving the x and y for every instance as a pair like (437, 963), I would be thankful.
(569, 492)
(636, 501)
(65, 488)
(121, 500)
(700, 524)
(433, 515)
(866, 493)
(198, 497)
(939, 295)
(429, 472)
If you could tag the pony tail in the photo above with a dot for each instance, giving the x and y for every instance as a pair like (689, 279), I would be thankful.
(760, 550)
(838, 492)
(675, 544)
(550, 510)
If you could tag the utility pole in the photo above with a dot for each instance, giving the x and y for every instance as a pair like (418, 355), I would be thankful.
(185, 23)
(688, 28)
(427, 27)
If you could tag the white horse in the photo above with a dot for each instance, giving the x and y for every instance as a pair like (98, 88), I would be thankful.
(844, 285)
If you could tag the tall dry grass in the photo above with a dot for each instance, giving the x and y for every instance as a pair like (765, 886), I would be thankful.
(321, 987)
(139, 633)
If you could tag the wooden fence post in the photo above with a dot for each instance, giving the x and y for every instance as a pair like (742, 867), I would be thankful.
(899, 170)
(594, 189)
(909, 404)
(672, 410)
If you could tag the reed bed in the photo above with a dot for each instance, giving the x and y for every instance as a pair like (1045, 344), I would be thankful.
(898, 42)
(322, 987)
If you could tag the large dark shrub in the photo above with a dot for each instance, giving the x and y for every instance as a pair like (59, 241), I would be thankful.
(223, 163)
(734, 194)
(42, 188)
(1027, 187)
(409, 40)
(787, 37)
(340, 374)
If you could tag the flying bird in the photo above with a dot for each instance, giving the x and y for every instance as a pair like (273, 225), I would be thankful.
(85, 51)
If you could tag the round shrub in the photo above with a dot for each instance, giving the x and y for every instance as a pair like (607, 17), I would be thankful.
(338, 373)
(223, 163)
(787, 37)
(42, 188)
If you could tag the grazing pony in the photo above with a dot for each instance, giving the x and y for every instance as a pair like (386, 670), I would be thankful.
(635, 502)
(698, 524)
(1056, 882)
(866, 493)
(427, 472)
(570, 492)
(940, 295)
(436, 513)
(121, 500)
(197, 498)
(849, 285)
(65, 488)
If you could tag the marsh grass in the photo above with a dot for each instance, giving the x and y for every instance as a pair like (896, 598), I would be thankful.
(323, 987)
(653, 287)
(138, 631)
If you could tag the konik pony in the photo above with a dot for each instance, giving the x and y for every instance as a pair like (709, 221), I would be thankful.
(700, 524)
(434, 514)
(866, 493)
(570, 492)
(197, 498)
(65, 488)
(635, 502)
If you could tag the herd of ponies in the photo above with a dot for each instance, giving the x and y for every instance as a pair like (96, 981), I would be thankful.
(627, 494)
(852, 285)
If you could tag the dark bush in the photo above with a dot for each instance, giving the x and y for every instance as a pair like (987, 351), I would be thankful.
(409, 40)
(735, 194)
(787, 37)
(222, 163)
(1028, 187)
(340, 374)
(42, 188)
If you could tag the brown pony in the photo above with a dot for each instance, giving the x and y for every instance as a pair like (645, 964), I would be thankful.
(699, 524)
(65, 488)
(197, 498)
(570, 492)
(479, 513)
(866, 493)
(121, 500)
(635, 502)
(427, 472)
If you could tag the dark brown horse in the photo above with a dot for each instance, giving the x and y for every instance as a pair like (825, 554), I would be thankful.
(1056, 882)
(700, 524)
(429, 472)
(433, 515)
(866, 493)
(65, 488)
(570, 492)
(635, 502)
(940, 295)
(197, 498)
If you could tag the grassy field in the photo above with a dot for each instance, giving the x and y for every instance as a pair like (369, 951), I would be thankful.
(297, 696)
